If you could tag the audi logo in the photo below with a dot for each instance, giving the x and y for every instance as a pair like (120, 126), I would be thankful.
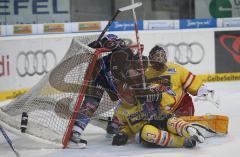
(31, 63)
(184, 53)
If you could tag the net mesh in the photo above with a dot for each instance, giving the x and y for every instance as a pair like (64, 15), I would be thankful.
(50, 103)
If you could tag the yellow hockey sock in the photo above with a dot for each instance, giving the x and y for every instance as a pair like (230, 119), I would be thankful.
(162, 138)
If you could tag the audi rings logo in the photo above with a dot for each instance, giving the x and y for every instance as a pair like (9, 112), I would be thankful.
(184, 53)
(31, 63)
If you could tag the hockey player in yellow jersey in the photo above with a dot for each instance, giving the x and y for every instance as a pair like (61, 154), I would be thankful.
(173, 83)
(150, 126)
(176, 83)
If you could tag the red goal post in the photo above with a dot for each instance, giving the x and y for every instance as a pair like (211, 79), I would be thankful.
(79, 101)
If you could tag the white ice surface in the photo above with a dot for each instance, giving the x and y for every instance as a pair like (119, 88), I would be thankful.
(99, 146)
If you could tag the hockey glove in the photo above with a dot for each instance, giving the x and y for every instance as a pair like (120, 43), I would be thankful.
(205, 94)
(120, 139)
(204, 91)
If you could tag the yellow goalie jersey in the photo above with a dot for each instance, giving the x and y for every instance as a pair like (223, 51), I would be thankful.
(178, 79)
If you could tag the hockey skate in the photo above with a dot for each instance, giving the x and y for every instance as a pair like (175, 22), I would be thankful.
(76, 142)
(189, 143)
(195, 134)
(110, 129)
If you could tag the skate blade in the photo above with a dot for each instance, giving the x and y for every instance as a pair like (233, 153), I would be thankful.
(199, 139)
(196, 135)
(72, 145)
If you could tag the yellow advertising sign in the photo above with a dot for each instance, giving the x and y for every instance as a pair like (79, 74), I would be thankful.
(54, 28)
(89, 26)
(12, 94)
(22, 29)
(221, 77)
(206, 77)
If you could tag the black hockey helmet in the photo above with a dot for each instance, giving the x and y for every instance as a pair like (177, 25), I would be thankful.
(112, 41)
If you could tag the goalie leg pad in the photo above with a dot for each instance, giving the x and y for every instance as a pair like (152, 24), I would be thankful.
(153, 135)
(183, 128)
(178, 126)
(209, 125)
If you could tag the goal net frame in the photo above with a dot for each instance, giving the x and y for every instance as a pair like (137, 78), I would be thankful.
(10, 114)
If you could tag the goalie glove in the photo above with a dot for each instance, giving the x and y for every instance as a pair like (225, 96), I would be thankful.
(204, 91)
(120, 139)
(205, 94)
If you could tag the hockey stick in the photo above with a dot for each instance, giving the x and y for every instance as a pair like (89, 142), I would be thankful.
(129, 7)
(138, 44)
(9, 141)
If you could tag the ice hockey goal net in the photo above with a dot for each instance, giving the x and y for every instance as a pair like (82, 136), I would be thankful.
(51, 102)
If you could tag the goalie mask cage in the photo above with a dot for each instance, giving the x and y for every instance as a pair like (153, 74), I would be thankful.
(51, 102)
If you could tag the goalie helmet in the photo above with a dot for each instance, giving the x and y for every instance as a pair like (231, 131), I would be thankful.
(112, 42)
(157, 56)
